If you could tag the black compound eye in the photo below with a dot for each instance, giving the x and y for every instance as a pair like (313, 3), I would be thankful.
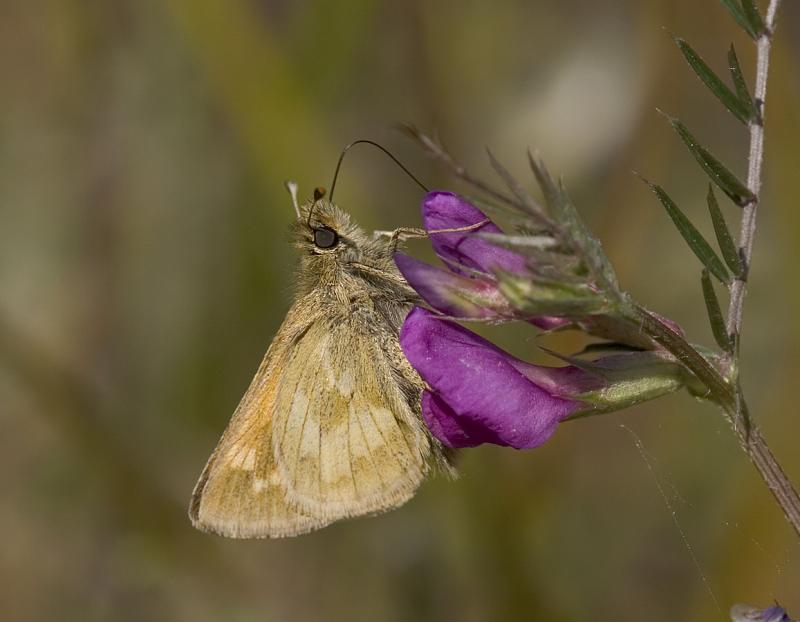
(325, 237)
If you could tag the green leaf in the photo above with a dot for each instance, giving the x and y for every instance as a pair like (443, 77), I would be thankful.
(731, 101)
(740, 85)
(753, 17)
(724, 238)
(693, 237)
(735, 9)
(715, 313)
(721, 176)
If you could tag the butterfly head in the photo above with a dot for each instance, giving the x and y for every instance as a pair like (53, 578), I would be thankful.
(322, 229)
(335, 251)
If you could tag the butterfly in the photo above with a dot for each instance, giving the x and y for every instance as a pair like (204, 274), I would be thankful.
(330, 427)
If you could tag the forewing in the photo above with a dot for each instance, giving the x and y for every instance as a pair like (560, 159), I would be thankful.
(239, 493)
(346, 442)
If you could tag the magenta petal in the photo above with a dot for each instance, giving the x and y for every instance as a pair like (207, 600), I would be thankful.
(445, 210)
(451, 293)
(481, 394)
(445, 425)
(775, 614)
(451, 429)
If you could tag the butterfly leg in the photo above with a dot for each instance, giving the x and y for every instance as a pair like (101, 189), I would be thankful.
(408, 233)
(403, 233)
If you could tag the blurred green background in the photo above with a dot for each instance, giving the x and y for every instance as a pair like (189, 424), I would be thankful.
(144, 269)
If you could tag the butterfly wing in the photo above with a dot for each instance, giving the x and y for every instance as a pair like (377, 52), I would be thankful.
(325, 431)
(346, 441)
(239, 494)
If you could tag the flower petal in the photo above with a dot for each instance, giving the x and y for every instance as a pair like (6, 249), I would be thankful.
(446, 210)
(463, 297)
(451, 293)
(481, 394)
(747, 613)
(448, 427)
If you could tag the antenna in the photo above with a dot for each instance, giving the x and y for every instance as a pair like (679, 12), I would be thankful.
(382, 148)
(291, 186)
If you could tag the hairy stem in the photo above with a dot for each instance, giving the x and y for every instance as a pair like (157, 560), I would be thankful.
(755, 162)
(750, 439)
(728, 395)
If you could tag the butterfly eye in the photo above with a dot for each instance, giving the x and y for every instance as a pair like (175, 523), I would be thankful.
(325, 237)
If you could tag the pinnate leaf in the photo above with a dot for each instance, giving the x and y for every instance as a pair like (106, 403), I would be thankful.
(700, 247)
(740, 85)
(738, 14)
(724, 238)
(717, 172)
(715, 313)
(742, 110)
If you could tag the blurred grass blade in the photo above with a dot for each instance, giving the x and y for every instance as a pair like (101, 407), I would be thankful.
(737, 12)
(737, 107)
(740, 85)
(726, 244)
(700, 247)
(721, 176)
(753, 17)
(715, 313)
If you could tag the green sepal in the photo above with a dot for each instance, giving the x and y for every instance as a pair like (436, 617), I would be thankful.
(538, 242)
(567, 215)
(700, 247)
(605, 347)
(626, 380)
(523, 196)
(537, 296)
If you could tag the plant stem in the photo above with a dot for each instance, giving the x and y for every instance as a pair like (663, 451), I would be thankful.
(749, 436)
(729, 397)
(771, 472)
(755, 161)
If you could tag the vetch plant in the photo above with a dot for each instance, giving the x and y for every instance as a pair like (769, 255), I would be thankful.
(746, 613)
(465, 374)
(553, 273)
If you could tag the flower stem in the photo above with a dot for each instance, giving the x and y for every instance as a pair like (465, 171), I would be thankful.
(750, 437)
(728, 395)
(755, 162)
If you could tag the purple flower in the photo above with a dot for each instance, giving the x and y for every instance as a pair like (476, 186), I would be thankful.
(468, 288)
(476, 392)
(480, 394)
(460, 250)
(775, 614)
(452, 293)
(746, 613)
